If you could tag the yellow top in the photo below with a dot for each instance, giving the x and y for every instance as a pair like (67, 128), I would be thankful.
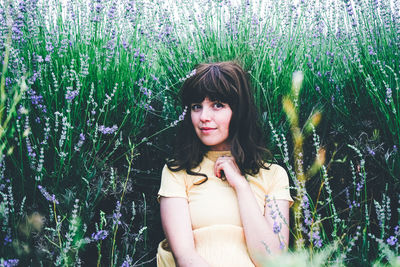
(214, 211)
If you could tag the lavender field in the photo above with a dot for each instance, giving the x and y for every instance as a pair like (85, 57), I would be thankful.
(89, 109)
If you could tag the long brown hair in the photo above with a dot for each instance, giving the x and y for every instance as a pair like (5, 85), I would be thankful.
(226, 82)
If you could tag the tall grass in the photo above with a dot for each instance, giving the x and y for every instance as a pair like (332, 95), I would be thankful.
(89, 104)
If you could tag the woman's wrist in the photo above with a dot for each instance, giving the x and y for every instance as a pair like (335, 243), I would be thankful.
(241, 184)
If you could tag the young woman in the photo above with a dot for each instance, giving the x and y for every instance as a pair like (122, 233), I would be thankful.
(221, 204)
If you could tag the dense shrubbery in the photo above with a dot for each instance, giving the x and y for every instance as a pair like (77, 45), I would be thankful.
(89, 103)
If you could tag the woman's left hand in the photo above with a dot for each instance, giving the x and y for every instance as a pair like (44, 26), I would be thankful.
(226, 166)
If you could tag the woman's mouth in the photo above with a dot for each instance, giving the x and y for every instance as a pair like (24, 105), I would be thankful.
(207, 130)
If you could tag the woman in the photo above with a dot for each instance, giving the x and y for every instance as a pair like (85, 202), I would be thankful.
(221, 204)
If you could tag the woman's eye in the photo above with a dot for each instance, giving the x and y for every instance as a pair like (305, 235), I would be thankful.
(195, 107)
(218, 105)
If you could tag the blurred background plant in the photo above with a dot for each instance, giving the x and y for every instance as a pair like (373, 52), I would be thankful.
(89, 107)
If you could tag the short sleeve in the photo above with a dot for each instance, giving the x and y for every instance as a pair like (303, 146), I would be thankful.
(172, 183)
(280, 185)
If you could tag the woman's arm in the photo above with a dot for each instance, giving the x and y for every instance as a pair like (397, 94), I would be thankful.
(258, 229)
(177, 227)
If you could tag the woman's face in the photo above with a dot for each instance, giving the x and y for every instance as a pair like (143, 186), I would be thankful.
(211, 121)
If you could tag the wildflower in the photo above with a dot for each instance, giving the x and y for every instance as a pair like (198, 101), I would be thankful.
(145, 91)
(276, 227)
(397, 230)
(148, 107)
(107, 130)
(117, 214)
(392, 240)
(127, 262)
(100, 235)
(7, 239)
(70, 95)
(388, 99)
(371, 51)
(371, 151)
(10, 263)
(180, 118)
(154, 77)
(317, 239)
(80, 142)
(51, 198)
(137, 52)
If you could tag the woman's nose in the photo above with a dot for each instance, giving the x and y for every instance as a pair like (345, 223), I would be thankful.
(205, 114)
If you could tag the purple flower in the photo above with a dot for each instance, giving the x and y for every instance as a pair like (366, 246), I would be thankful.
(49, 47)
(388, 99)
(137, 52)
(70, 95)
(117, 214)
(100, 235)
(276, 227)
(107, 130)
(10, 263)
(51, 198)
(371, 151)
(145, 91)
(148, 107)
(397, 230)
(154, 77)
(125, 44)
(371, 50)
(142, 57)
(392, 240)
(80, 142)
(7, 239)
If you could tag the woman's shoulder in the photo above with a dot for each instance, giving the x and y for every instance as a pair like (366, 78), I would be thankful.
(272, 167)
(272, 170)
(172, 170)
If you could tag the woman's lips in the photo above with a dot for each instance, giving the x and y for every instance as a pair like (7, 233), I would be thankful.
(207, 129)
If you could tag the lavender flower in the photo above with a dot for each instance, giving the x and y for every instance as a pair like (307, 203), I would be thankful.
(317, 239)
(107, 130)
(7, 239)
(388, 99)
(100, 235)
(80, 142)
(49, 47)
(276, 227)
(180, 118)
(51, 198)
(305, 205)
(127, 262)
(10, 263)
(142, 57)
(392, 241)
(117, 214)
(137, 52)
(145, 91)
(70, 95)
